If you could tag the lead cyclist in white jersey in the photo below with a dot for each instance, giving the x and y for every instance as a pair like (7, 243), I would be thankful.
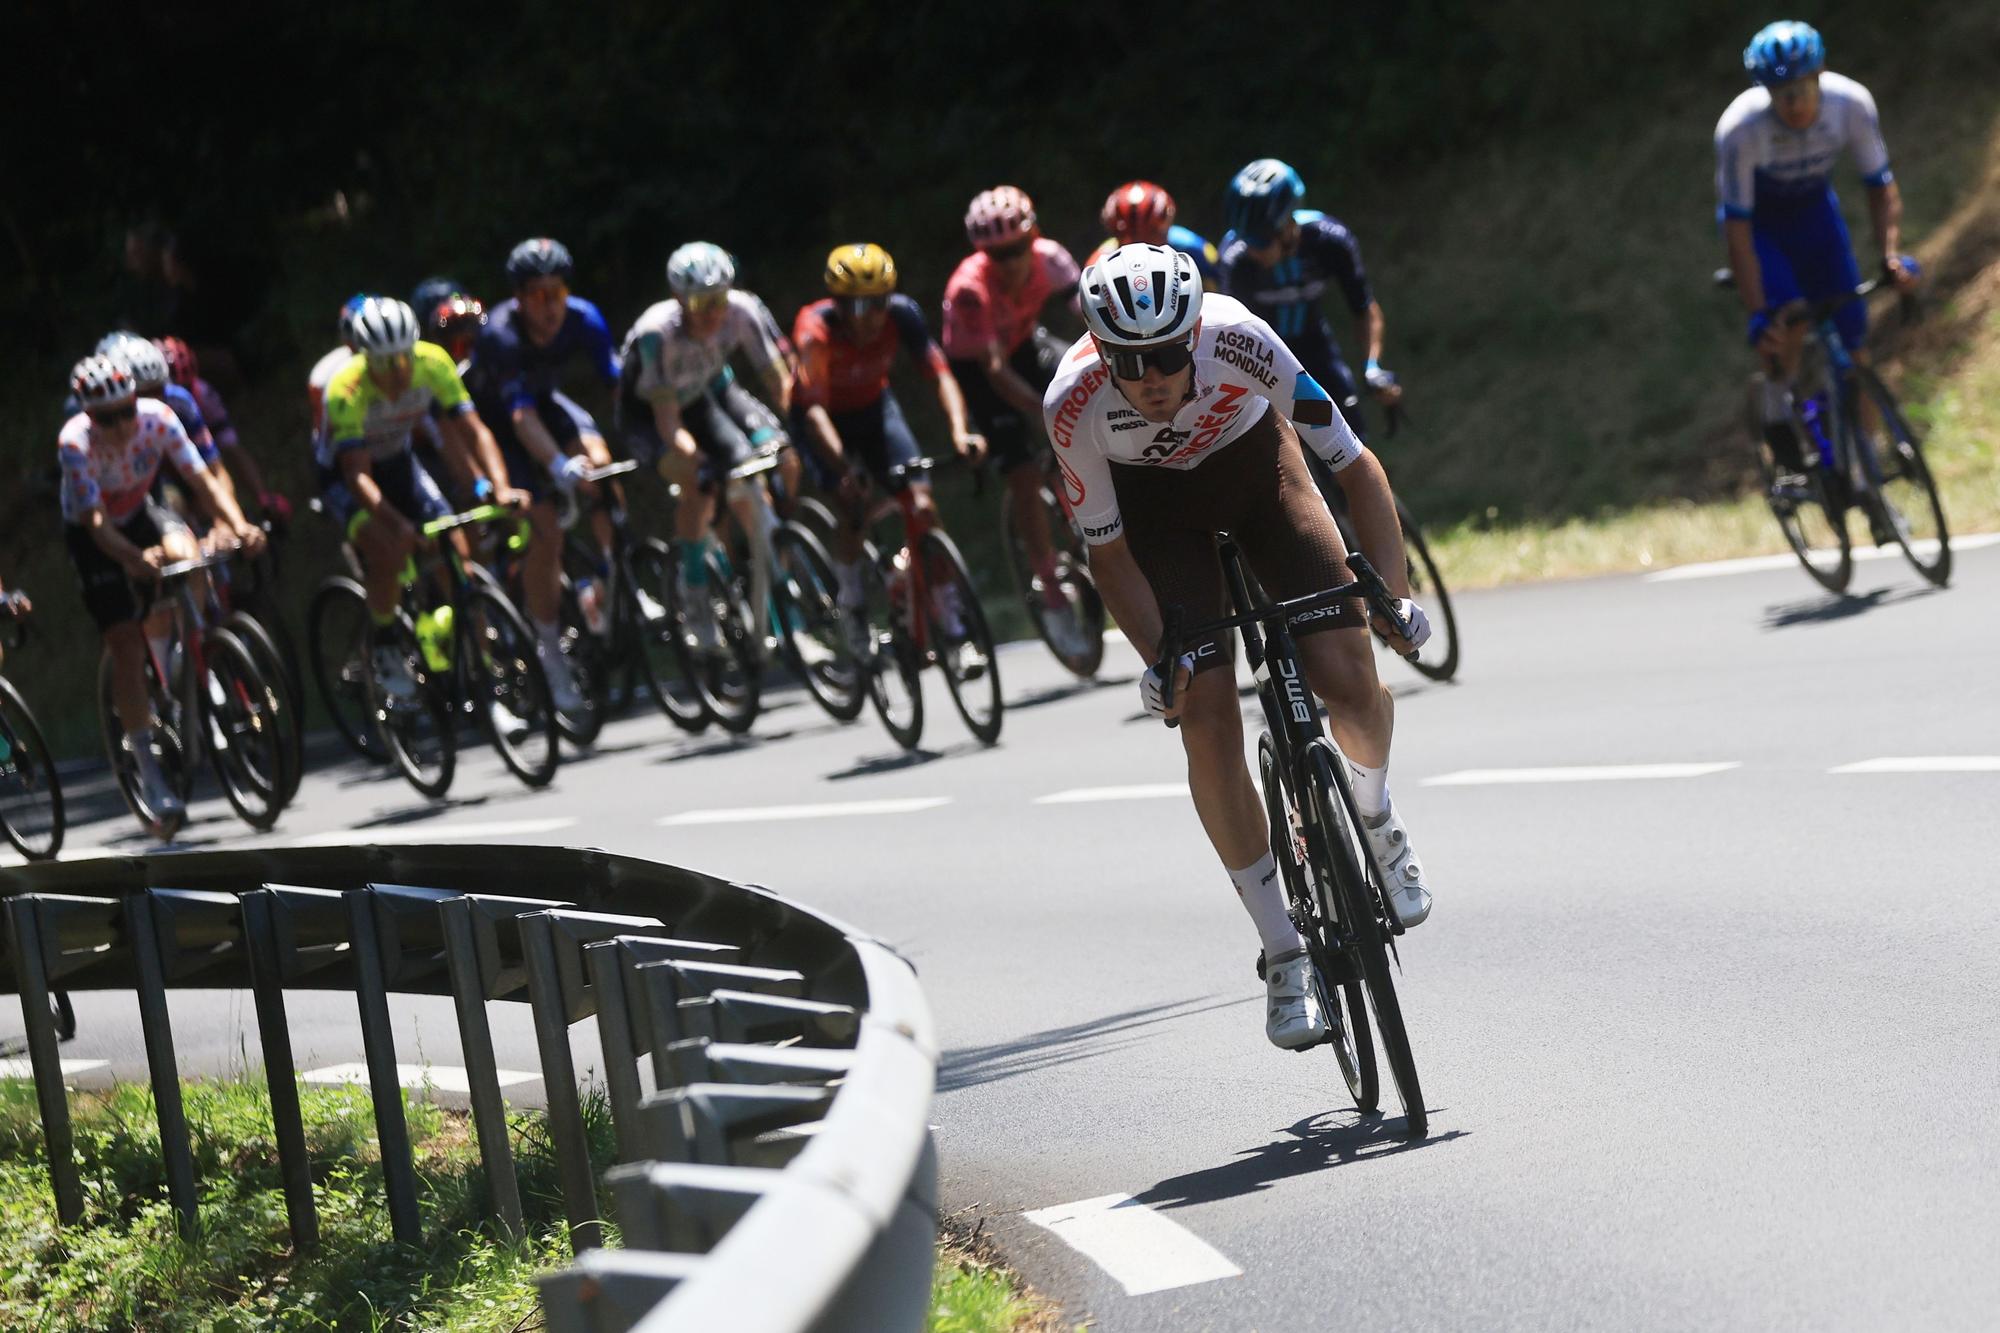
(1179, 416)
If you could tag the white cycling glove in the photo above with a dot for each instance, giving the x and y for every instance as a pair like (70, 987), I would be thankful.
(569, 471)
(1419, 623)
(1153, 687)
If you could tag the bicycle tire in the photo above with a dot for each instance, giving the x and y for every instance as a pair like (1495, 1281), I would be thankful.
(1427, 588)
(584, 652)
(1813, 527)
(170, 751)
(1906, 492)
(495, 641)
(1335, 827)
(728, 677)
(337, 615)
(246, 751)
(893, 674)
(1342, 1001)
(417, 732)
(809, 598)
(812, 513)
(938, 550)
(1072, 574)
(270, 661)
(31, 795)
(655, 646)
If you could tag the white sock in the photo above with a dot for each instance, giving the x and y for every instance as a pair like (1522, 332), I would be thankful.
(1263, 896)
(1371, 789)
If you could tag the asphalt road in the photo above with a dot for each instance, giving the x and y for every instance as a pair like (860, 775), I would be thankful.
(1707, 1044)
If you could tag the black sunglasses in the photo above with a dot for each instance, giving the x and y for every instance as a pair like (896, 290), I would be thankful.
(1014, 251)
(856, 306)
(114, 416)
(1129, 363)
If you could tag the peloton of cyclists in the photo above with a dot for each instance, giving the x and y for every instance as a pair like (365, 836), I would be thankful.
(1142, 212)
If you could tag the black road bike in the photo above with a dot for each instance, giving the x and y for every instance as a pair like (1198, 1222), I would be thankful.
(31, 796)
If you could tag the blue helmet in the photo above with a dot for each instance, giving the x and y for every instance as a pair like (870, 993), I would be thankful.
(1261, 197)
(1784, 51)
(538, 257)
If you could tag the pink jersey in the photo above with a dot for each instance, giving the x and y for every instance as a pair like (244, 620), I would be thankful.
(977, 311)
(99, 474)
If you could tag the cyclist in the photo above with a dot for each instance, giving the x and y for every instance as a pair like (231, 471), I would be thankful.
(371, 481)
(1775, 149)
(1143, 212)
(117, 534)
(185, 371)
(547, 441)
(328, 365)
(150, 374)
(1003, 358)
(851, 419)
(454, 324)
(1224, 406)
(1279, 259)
(682, 409)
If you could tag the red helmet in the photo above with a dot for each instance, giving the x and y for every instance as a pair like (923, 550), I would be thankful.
(181, 365)
(1000, 216)
(1138, 211)
(455, 322)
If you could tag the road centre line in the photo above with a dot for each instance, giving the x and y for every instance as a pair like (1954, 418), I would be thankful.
(1709, 569)
(428, 833)
(754, 814)
(1937, 763)
(1491, 777)
(1143, 791)
(1142, 1250)
(445, 1078)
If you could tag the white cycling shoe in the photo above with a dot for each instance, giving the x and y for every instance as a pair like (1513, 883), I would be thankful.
(1292, 1015)
(1402, 875)
(563, 692)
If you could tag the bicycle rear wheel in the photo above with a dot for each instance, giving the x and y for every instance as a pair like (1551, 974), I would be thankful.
(1907, 495)
(1082, 608)
(337, 633)
(656, 643)
(971, 667)
(892, 672)
(1438, 659)
(247, 733)
(271, 662)
(412, 720)
(169, 751)
(1351, 900)
(31, 797)
(727, 677)
(1342, 1001)
(589, 668)
(505, 683)
(807, 591)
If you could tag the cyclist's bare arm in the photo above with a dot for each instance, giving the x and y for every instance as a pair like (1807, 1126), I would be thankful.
(824, 439)
(1885, 212)
(358, 471)
(1371, 505)
(467, 436)
(115, 544)
(1736, 236)
(778, 385)
(952, 399)
(1127, 596)
(535, 437)
(240, 459)
(218, 501)
(1008, 383)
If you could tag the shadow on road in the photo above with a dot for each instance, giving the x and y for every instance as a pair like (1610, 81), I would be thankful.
(417, 814)
(1827, 610)
(1332, 1138)
(1055, 694)
(1060, 1046)
(887, 763)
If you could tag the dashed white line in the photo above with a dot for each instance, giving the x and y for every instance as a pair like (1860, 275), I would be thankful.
(754, 814)
(1752, 564)
(1142, 791)
(1141, 1249)
(445, 1078)
(1484, 777)
(426, 832)
(1936, 763)
(21, 1068)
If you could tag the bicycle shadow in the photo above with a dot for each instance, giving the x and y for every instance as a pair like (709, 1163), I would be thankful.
(1055, 694)
(418, 814)
(1842, 606)
(1316, 1143)
(971, 1066)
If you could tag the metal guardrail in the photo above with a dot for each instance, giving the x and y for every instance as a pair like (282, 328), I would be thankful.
(779, 1174)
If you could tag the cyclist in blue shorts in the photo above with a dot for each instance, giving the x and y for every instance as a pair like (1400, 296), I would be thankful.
(1775, 149)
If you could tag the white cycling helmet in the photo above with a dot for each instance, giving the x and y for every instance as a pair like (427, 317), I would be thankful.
(146, 362)
(102, 381)
(1140, 296)
(384, 326)
(700, 267)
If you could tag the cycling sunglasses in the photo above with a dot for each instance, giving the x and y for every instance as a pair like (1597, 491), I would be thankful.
(853, 307)
(391, 360)
(702, 302)
(1130, 363)
(1003, 253)
(114, 416)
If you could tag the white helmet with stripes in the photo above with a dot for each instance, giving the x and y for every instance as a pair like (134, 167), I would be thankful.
(1140, 295)
(384, 326)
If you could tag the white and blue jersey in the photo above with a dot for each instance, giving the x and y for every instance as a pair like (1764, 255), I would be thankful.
(1290, 295)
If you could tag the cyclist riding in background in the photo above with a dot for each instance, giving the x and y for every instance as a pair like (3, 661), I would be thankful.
(454, 324)
(1279, 259)
(1178, 417)
(1003, 358)
(328, 365)
(1775, 149)
(118, 534)
(682, 409)
(547, 441)
(1141, 212)
(149, 372)
(371, 481)
(185, 371)
(849, 416)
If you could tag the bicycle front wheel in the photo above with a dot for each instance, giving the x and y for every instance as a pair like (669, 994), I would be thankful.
(726, 675)
(1437, 659)
(890, 668)
(337, 634)
(247, 732)
(169, 750)
(410, 716)
(1906, 493)
(505, 683)
(271, 662)
(31, 797)
(965, 649)
(1073, 631)
(807, 591)
(647, 596)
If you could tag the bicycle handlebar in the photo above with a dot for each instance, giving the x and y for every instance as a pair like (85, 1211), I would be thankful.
(610, 470)
(180, 569)
(486, 513)
(1825, 307)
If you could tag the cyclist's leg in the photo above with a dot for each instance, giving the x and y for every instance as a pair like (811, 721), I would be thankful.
(116, 607)
(1776, 255)
(383, 554)
(863, 445)
(744, 428)
(590, 442)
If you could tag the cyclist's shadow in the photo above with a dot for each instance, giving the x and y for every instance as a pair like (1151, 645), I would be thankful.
(1841, 606)
(1331, 1138)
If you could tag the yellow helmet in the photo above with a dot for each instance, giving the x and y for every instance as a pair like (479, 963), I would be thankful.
(860, 270)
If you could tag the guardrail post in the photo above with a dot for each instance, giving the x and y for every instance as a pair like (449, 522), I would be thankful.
(614, 1031)
(143, 938)
(566, 1131)
(267, 988)
(489, 1112)
(31, 971)
(378, 1040)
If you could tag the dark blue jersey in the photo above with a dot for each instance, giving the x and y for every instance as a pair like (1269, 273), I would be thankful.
(1289, 295)
(508, 371)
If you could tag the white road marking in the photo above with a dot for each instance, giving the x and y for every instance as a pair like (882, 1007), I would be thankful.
(445, 1078)
(21, 1068)
(1143, 791)
(1143, 1250)
(1485, 777)
(426, 832)
(1709, 569)
(754, 814)
(1936, 763)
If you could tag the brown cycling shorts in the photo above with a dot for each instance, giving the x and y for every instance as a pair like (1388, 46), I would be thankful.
(1257, 489)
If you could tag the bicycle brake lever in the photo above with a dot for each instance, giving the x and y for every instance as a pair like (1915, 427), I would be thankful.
(1170, 660)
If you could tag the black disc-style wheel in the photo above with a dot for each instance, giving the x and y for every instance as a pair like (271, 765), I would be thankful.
(1070, 623)
(1908, 500)
(646, 599)
(410, 717)
(889, 664)
(247, 736)
(505, 684)
(337, 634)
(31, 796)
(1341, 1001)
(270, 661)
(1814, 523)
(169, 752)
(807, 592)
(1352, 899)
(1437, 659)
(962, 639)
